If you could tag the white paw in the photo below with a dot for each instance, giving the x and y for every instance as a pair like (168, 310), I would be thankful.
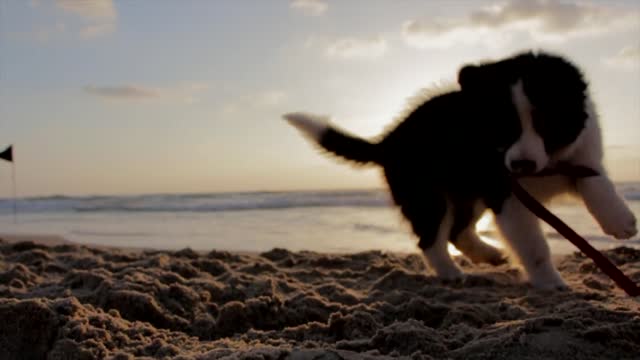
(449, 273)
(608, 207)
(619, 222)
(547, 279)
(484, 253)
(442, 264)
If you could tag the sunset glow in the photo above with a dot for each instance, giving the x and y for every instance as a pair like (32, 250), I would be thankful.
(121, 97)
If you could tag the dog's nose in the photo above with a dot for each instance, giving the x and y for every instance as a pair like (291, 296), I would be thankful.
(523, 166)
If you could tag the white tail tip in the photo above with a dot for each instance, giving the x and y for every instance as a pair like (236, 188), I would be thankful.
(313, 126)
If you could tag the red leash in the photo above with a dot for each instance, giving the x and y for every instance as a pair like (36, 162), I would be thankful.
(600, 260)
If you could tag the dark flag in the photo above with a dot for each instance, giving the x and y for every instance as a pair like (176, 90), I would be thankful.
(7, 154)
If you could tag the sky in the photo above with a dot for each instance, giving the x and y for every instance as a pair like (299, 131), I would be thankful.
(126, 97)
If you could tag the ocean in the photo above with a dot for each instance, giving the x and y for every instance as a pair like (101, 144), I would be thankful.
(323, 221)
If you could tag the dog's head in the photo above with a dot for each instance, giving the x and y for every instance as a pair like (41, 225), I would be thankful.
(534, 105)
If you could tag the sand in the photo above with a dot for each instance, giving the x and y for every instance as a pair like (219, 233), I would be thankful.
(66, 301)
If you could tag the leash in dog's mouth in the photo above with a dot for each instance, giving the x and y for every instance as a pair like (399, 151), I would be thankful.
(607, 267)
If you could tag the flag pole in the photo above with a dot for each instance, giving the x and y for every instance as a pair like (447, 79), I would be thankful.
(15, 197)
(7, 155)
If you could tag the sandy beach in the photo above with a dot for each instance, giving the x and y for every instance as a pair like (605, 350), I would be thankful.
(67, 301)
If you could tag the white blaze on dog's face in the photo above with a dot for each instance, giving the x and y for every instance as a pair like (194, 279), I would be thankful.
(535, 107)
(527, 155)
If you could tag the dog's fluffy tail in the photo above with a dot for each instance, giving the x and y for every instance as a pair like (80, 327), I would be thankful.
(317, 129)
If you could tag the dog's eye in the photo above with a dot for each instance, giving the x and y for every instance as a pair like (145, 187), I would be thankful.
(535, 113)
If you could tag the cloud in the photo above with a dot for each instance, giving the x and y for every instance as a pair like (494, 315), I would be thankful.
(310, 7)
(353, 48)
(89, 9)
(271, 98)
(186, 92)
(99, 16)
(91, 31)
(544, 20)
(260, 100)
(42, 33)
(627, 58)
(122, 92)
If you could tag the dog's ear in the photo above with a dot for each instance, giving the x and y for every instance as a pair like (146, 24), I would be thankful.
(469, 77)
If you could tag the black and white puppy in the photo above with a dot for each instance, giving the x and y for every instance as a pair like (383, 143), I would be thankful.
(451, 157)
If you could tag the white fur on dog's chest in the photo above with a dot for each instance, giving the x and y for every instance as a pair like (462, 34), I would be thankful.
(544, 188)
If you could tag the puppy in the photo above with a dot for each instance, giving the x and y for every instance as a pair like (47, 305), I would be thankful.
(452, 156)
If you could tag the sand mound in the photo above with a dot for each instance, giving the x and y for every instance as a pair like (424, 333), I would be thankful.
(76, 302)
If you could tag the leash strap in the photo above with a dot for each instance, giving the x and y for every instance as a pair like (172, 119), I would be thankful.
(600, 260)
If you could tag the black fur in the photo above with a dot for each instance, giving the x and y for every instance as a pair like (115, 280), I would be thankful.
(347, 146)
(450, 149)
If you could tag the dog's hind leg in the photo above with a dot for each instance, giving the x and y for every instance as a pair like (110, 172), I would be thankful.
(430, 216)
(478, 251)
(465, 238)
(431, 220)
(437, 254)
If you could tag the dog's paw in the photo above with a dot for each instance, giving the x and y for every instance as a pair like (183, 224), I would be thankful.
(491, 256)
(495, 258)
(450, 273)
(548, 279)
(619, 222)
(480, 252)
(559, 287)
(498, 260)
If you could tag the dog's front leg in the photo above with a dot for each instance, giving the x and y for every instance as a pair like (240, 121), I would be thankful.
(607, 207)
(523, 234)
